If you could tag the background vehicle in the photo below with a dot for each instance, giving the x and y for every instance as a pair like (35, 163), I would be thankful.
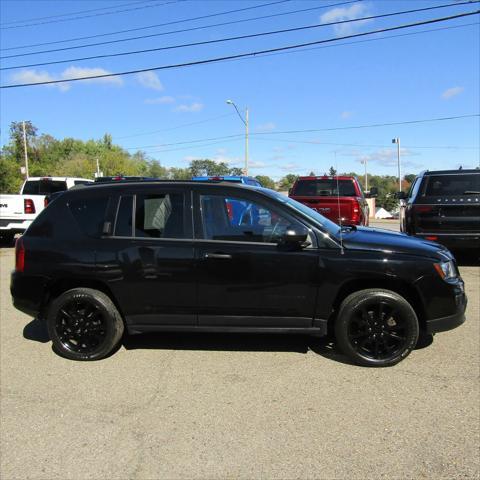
(160, 256)
(18, 211)
(444, 206)
(230, 178)
(340, 199)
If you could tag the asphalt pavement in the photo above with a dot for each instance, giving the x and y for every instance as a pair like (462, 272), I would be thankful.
(236, 406)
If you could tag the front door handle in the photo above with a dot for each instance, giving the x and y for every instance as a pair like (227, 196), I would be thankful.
(224, 256)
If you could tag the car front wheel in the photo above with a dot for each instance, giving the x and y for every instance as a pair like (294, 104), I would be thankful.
(84, 324)
(376, 327)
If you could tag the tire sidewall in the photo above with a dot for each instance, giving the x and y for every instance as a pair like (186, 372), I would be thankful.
(353, 302)
(110, 315)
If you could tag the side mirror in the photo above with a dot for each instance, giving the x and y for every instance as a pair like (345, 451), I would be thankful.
(295, 236)
(373, 192)
(400, 195)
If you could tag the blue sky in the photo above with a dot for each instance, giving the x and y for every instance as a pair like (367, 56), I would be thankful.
(429, 75)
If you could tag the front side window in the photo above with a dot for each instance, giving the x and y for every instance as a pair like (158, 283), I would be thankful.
(240, 219)
(160, 216)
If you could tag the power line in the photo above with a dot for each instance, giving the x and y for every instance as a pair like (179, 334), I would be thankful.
(175, 128)
(310, 130)
(74, 13)
(232, 22)
(90, 16)
(239, 37)
(320, 143)
(243, 55)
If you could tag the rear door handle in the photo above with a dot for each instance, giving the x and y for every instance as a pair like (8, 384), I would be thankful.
(224, 256)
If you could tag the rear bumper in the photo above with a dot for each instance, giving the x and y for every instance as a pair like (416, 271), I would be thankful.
(13, 226)
(455, 241)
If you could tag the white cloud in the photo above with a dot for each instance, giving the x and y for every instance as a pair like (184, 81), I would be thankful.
(34, 76)
(266, 127)
(193, 107)
(357, 10)
(149, 80)
(254, 164)
(452, 92)
(346, 115)
(387, 157)
(290, 167)
(159, 100)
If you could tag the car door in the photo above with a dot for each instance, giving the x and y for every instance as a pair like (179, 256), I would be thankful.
(244, 278)
(147, 259)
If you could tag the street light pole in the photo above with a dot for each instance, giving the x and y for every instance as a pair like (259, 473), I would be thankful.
(25, 149)
(397, 141)
(245, 122)
(366, 176)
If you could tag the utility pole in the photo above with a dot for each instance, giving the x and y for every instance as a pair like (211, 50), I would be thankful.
(366, 176)
(397, 141)
(246, 141)
(25, 149)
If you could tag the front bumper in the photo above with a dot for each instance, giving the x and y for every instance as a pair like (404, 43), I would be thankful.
(442, 324)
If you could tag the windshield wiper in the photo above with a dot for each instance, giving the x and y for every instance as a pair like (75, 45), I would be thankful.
(472, 192)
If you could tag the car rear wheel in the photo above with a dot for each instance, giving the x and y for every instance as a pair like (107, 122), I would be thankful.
(84, 324)
(376, 327)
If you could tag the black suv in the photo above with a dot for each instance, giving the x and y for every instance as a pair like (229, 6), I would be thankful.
(444, 206)
(199, 256)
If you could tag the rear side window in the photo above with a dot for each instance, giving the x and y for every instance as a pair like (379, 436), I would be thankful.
(446, 185)
(124, 222)
(160, 216)
(44, 187)
(324, 188)
(89, 213)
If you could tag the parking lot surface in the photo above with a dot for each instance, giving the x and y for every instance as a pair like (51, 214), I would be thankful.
(237, 406)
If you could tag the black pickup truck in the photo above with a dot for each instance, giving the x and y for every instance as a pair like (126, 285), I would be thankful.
(444, 206)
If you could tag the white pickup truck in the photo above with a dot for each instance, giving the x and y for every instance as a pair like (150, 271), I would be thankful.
(17, 212)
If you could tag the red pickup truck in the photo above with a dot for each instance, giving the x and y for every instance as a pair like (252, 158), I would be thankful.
(340, 199)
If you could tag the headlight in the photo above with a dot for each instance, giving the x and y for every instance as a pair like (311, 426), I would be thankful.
(446, 270)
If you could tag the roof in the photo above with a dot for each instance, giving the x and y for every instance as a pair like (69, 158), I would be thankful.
(450, 172)
(328, 177)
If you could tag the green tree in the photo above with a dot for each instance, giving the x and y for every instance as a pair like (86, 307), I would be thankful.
(266, 181)
(332, 172)
(156, 170)
(207, 167)
(287, 182)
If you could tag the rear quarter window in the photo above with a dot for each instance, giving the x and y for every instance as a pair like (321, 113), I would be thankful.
(89, 213)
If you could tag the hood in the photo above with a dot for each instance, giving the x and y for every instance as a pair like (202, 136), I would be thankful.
(386, 240)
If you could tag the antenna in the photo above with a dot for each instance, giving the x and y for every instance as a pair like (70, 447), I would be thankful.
(342, 251)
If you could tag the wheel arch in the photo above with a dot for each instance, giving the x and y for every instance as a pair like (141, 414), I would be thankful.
(401, 287)
(61, 285)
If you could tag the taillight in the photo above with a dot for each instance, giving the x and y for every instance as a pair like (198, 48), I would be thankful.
(229, 210)
(356, 213)
(28, 205)
(19, 255)
(422, 208)
(45, 202)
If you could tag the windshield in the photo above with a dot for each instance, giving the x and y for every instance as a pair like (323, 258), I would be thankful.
(456, 184)
(323, 222)
(327, 187)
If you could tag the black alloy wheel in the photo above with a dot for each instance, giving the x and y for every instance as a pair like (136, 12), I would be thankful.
(84, 324)
(376, 327)
(80, 326)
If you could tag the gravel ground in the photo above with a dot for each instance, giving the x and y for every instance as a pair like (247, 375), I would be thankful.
(239, 406)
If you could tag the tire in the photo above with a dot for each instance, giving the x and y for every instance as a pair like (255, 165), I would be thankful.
(376, 327)
(84, 324)
(6, 239)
